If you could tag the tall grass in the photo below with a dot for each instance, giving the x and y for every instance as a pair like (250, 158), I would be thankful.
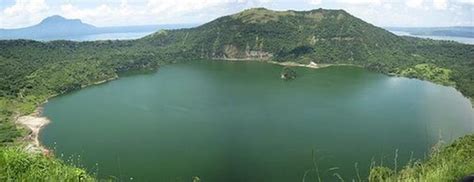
(19, 165)
(445, 163)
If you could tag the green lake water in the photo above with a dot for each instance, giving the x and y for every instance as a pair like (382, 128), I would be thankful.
(238, 121)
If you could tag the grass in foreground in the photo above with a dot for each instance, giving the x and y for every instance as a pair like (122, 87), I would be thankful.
(18, 165)
(450, 163)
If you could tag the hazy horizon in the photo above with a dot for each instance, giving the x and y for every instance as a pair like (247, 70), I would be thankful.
(197, 24)
(382, 13)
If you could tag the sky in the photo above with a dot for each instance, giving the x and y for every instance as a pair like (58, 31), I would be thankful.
(384, 13)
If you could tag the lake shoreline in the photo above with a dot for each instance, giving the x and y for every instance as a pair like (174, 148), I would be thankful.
(312, 64)
(199, 101)
(35, 121)
(295, 64)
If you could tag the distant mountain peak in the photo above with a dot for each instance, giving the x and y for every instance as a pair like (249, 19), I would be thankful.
(54, 18)
(56, 25)
(57, 20)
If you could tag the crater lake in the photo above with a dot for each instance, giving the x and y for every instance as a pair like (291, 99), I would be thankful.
(239, 121)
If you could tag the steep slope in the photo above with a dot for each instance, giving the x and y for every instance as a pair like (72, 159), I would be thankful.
(324, 36)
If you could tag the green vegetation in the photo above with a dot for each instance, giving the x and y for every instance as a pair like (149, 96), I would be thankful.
(288, 73)
(32, 71)
(18, 165)
(428, 72)
(8, 130)
(450, 163)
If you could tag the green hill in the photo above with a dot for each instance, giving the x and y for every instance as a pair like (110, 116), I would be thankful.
(329, 36)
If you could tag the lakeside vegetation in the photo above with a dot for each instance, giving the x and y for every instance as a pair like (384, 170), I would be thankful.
(445, 163)
(32, 71)
(19, 165)
(430, 72)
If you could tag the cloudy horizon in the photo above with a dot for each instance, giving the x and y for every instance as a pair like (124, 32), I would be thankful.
(400, 13)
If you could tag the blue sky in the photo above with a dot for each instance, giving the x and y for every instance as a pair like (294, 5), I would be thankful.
(21, 13)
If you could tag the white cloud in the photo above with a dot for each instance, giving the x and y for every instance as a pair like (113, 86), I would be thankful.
(440, 4)
(470, 2)
(102, 14)
(387, 6)
(360, 2)
(184, 6)
(193, 6)
(315, 2)
(23, 12)
(414, 3)
(26, 6)
(157, 11)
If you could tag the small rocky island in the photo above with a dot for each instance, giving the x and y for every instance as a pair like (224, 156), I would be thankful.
(288, 74)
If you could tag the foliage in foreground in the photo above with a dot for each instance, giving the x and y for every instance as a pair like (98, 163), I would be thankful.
(450, 163)
(19, 165)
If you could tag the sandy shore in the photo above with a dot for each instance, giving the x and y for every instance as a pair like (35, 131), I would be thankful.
(34, 122)
(310, 65)
(287, 63)
(101, 81)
